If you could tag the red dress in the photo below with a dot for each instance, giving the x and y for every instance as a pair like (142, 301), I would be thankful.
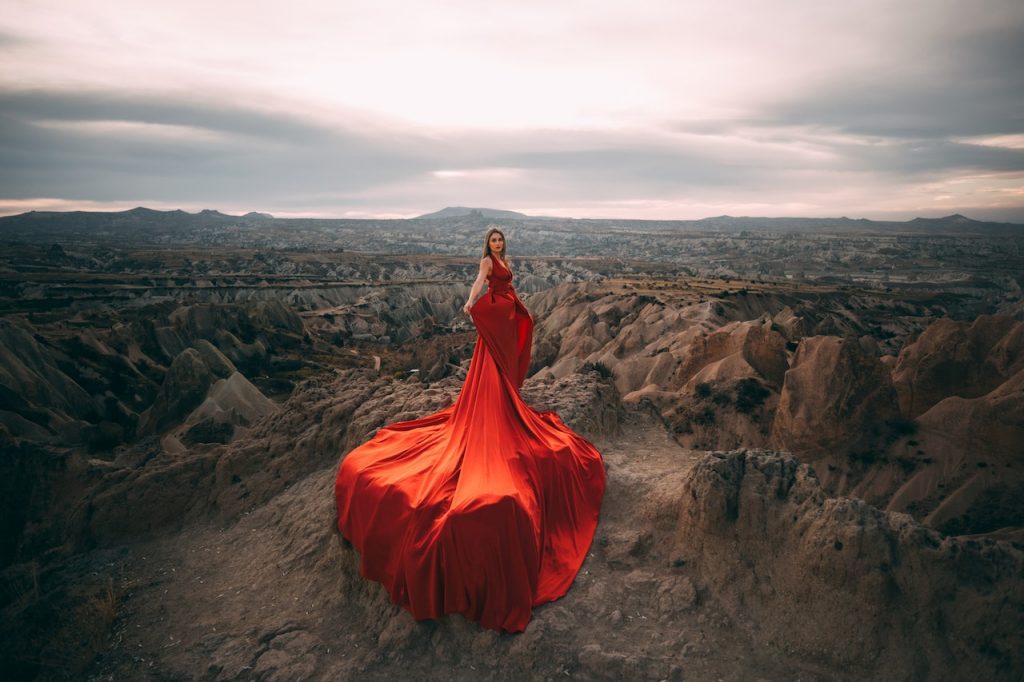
(486, 508)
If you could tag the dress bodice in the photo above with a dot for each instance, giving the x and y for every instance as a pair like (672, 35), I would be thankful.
(500, 279)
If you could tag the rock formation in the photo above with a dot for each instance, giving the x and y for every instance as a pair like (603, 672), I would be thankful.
(705, 564)
(969, 478)
(38, 401)
(189, 440)
(952, 358)
(837, 580)
(836, 397)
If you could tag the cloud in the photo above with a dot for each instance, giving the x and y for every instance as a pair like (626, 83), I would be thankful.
(966, 83)
(863, 108)
(10, 40)
(112, 147)
(144, 149)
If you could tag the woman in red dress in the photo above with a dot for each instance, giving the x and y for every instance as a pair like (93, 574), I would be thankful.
(488, 507)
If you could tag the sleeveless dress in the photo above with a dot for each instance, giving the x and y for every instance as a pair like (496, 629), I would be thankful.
(486, 508)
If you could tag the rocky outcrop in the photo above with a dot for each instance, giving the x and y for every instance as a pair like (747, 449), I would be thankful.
(736, 351)
(203, 384)
(240, 353)
(269, 323)
(740, 550)
(233, 400)
(621, 331)
(991, 423)
(102, 388)
(720, 414)
(185, 386)
(836, 397)
(660, 353)
(586, 401)
(723, 387)
(969, 477)
(952, 358)
(37, 399)
(668, 565)
(841, 582)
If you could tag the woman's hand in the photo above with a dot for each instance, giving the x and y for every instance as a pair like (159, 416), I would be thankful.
(466, 308)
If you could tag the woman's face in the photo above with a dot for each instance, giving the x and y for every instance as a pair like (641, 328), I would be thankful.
(496, 243)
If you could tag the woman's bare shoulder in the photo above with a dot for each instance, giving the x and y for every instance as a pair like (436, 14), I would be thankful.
(485, 263)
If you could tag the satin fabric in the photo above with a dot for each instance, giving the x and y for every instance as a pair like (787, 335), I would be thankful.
(486, 508)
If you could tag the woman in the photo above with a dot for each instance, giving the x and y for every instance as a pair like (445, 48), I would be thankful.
(488, 507)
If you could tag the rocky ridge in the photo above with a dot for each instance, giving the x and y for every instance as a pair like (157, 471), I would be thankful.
(839, 401)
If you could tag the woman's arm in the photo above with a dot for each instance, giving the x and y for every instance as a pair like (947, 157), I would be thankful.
(478, 285)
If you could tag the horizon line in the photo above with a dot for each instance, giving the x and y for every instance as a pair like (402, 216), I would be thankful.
(292, 216)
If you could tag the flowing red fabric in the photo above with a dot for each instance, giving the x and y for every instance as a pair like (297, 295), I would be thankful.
(486, 508)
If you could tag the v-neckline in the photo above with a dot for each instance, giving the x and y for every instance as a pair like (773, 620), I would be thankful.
(500, 263)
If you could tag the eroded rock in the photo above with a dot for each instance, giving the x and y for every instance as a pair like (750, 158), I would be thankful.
(836, 397)
(843, 582)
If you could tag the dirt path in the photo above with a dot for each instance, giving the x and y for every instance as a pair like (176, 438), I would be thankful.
(277, 596)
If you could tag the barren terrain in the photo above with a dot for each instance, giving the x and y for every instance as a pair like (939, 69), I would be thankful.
(812, 440)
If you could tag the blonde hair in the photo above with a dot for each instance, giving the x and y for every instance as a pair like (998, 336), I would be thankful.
(487, 241)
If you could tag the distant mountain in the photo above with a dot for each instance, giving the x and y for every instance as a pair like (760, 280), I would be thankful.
(464, 212)
(947, 225)
(139, 218)
(955, 219)
(36, 225)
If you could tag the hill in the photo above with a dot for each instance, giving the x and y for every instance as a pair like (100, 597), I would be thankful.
(463, 212)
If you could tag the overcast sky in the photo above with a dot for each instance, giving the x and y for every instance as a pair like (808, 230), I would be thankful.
(641, 109)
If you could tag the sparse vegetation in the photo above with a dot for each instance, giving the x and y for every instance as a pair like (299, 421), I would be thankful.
(600, 368)
(907, 464)
(750, 395)
(901, 426)
(867, 456)
(705, 417)
(105, 604)
(61, 633)
(682, 427)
